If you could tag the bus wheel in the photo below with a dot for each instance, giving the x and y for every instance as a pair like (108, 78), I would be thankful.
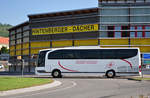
(56, 74)
(110, 74)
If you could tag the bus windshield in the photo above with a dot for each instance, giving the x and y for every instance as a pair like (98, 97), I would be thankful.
(41, 58)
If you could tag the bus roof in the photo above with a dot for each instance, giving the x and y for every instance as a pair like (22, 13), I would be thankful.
(87, 47)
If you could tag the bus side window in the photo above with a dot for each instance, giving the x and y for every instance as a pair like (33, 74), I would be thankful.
(124, 54)
(77, 54)
(89, 54)
(55, 55)
(108, 54)
(68, 54)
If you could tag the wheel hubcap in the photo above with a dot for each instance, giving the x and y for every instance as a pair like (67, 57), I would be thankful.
(110, 74)
(56, 73)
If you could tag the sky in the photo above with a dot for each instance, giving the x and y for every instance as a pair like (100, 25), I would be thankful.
(15, 11)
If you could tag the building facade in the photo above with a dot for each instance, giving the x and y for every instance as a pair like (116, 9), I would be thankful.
(115, 23)
(19, 46)
(125, 23)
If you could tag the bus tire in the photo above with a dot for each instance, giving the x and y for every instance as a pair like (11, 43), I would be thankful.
(110, 74)
(56, 73)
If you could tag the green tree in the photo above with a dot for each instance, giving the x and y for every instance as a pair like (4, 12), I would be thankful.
(4, 50)
(4, 29)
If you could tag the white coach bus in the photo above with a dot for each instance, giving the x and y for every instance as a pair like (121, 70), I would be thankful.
(89, 59)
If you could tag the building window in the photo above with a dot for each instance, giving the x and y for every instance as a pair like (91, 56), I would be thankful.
(132, 31)
(117, 28)
(139, 27)
(132, 34)
(128, 31)
(110, 34)
(147, 31)
(18, 30)
(110, 31)
(139, 30)
(117, 31)
(147, 34)
(147, 28)
(125, 32)
(25, 28)
(139, 34)
(117, 34)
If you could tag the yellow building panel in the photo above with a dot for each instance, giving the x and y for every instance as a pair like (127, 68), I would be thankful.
(40, 44)
(26, 45)
(12, 53)
(144, 48)
(140, 41)
(18, 46)
(18, 52)
(114, 46)
(63, 43)
(114, 41)
(12, 48)
(36, 51)
(26, 52)
(90, 42)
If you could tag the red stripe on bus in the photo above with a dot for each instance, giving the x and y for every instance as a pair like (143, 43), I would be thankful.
(127, 62)
(66, 68)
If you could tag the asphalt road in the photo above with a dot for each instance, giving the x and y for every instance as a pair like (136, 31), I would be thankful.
(92, 88)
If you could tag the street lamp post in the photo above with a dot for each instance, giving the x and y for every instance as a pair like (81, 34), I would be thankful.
(22, 66)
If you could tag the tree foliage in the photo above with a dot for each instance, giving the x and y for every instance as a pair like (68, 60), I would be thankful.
(4, 50)
(4, 29)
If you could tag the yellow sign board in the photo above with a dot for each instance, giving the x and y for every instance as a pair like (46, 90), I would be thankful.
(65, 29)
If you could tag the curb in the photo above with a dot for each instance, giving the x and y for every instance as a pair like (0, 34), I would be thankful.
(30, 89)
(133, 79)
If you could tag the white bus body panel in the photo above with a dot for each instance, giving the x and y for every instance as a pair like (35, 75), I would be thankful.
(37, 69)
(93, 66)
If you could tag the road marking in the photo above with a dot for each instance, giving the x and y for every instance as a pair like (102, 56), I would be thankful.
(49, 92)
